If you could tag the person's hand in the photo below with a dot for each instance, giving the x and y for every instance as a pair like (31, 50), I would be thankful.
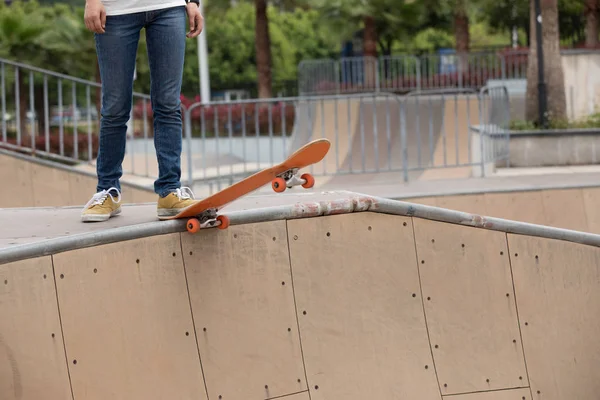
(196, 20)
(95, 16)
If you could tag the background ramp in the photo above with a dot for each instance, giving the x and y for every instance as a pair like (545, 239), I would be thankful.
(377, 140)
(558, 295)
(453, 144)
(333, 119)
(366, 133)
(16, 175)
(38, 183)
(360, 308)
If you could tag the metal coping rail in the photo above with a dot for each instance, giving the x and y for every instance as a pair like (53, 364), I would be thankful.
(347, 202)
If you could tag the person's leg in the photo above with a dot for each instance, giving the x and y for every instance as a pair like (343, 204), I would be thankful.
(165, 37)
(166, 51)
(116, 50)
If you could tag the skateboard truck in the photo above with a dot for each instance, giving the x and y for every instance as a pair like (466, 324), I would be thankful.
(290, 178)
(207, 219)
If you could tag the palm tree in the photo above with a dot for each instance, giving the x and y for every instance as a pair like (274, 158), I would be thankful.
(461, 26)
(263, 50)
(263, 38)
(591, 23)
(553, 71)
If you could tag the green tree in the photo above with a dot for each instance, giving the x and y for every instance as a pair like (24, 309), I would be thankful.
(263, 50)
(378, 19)
(577, 19)
(347, 15)
(21, 26)
(294, 35)
(262, 43)
(461, 25)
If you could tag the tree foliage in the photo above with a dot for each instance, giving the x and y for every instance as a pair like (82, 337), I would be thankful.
(53, 36)
(395, 20)
(504, 14)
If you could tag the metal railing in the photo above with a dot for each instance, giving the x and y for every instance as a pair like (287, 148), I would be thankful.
(56, 116)
(422, 132)
(414, 134)
(407, 73)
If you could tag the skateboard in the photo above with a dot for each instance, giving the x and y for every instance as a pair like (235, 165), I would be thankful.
(204, 214)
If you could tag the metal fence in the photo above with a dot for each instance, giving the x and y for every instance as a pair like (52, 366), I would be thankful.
(421, 133)
(402, 74)
(54, 116)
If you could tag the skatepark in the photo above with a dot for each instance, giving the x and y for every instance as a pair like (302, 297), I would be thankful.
(445, 286)
(439, 256)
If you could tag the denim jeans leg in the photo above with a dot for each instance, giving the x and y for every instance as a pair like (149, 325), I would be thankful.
(116, 49)
(165, 37)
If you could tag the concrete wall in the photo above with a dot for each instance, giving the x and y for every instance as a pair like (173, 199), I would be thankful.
(582, 83)
(582, 86)
(354, 306)
(27, 182)
(558, 148)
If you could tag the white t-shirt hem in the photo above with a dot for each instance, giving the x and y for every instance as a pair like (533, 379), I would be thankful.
(122, 11)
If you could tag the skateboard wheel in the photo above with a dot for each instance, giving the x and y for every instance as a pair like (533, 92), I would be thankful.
(224, 221)
(310, 181)
(193, 225)
(278, 185)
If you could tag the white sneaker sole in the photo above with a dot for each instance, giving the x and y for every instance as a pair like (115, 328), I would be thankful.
(99, 217)
(169, 212)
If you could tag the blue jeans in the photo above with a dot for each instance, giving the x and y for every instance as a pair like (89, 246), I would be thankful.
(117, 49)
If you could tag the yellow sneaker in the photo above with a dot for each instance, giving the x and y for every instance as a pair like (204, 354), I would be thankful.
(175, 202)
(102, 206)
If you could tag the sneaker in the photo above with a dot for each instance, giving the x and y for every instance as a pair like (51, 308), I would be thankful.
(175, 202)
(102, 206)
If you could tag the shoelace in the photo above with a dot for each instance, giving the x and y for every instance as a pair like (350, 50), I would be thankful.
(100, 197)
(184, 193)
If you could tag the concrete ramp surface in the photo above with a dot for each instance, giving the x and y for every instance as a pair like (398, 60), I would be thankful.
(335, 295)
(428, 135)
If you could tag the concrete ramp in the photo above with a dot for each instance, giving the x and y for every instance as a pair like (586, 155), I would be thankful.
(32, 182)
(366, 135)
(335, 295)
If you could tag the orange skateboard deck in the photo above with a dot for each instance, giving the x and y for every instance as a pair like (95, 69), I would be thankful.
(282, 176)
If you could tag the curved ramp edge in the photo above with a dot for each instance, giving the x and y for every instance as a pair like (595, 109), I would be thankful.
(284, 207)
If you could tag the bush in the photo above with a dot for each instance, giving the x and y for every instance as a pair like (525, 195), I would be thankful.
(589, 122)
